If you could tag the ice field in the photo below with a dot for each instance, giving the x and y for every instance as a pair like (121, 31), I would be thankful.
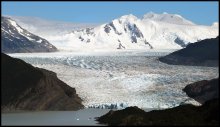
(122, 78)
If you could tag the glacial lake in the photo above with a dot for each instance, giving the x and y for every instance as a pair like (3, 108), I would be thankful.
(80, 117)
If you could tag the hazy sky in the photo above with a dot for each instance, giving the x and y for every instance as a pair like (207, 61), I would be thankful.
(101, 12)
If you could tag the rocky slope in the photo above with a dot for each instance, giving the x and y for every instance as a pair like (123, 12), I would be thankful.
(16, 39)
(202, 53)
(207, 114)
(25, 87)
(48, 28)
(203, 91)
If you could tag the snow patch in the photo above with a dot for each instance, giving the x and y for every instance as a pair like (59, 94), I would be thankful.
(31, 39)
(15, 25)
(39, 41)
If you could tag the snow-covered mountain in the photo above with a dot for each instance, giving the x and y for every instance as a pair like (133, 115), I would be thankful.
(16, 39)
(50, 29)
(153, 31)
(168, 18)
(215, 24)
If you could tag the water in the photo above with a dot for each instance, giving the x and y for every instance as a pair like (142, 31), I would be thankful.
(83, 117)
(80, 117)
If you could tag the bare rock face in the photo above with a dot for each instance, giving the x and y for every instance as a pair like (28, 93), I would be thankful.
(15, 39)
(207, 114)
(202, 53)
(25, 87)
(204, 90)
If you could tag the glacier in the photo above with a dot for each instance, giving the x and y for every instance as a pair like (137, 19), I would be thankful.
(122, 78)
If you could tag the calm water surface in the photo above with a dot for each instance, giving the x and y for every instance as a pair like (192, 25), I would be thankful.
(80, 117)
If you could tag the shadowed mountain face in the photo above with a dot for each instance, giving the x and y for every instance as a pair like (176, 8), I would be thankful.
(16, 39)
(25, 87)
(202, 53)
(203, 91)
(207, 114)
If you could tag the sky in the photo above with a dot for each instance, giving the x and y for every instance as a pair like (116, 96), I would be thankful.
(204, 13)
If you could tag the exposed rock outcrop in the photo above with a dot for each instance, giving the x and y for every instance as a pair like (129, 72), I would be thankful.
(15, 39)
(207, 114)
(202, 53)
(25, 87)
(203, 91)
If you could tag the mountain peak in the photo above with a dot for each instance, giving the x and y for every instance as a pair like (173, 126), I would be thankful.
(168, 18)
(215, 24)
(17, 39)
(128, 17)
